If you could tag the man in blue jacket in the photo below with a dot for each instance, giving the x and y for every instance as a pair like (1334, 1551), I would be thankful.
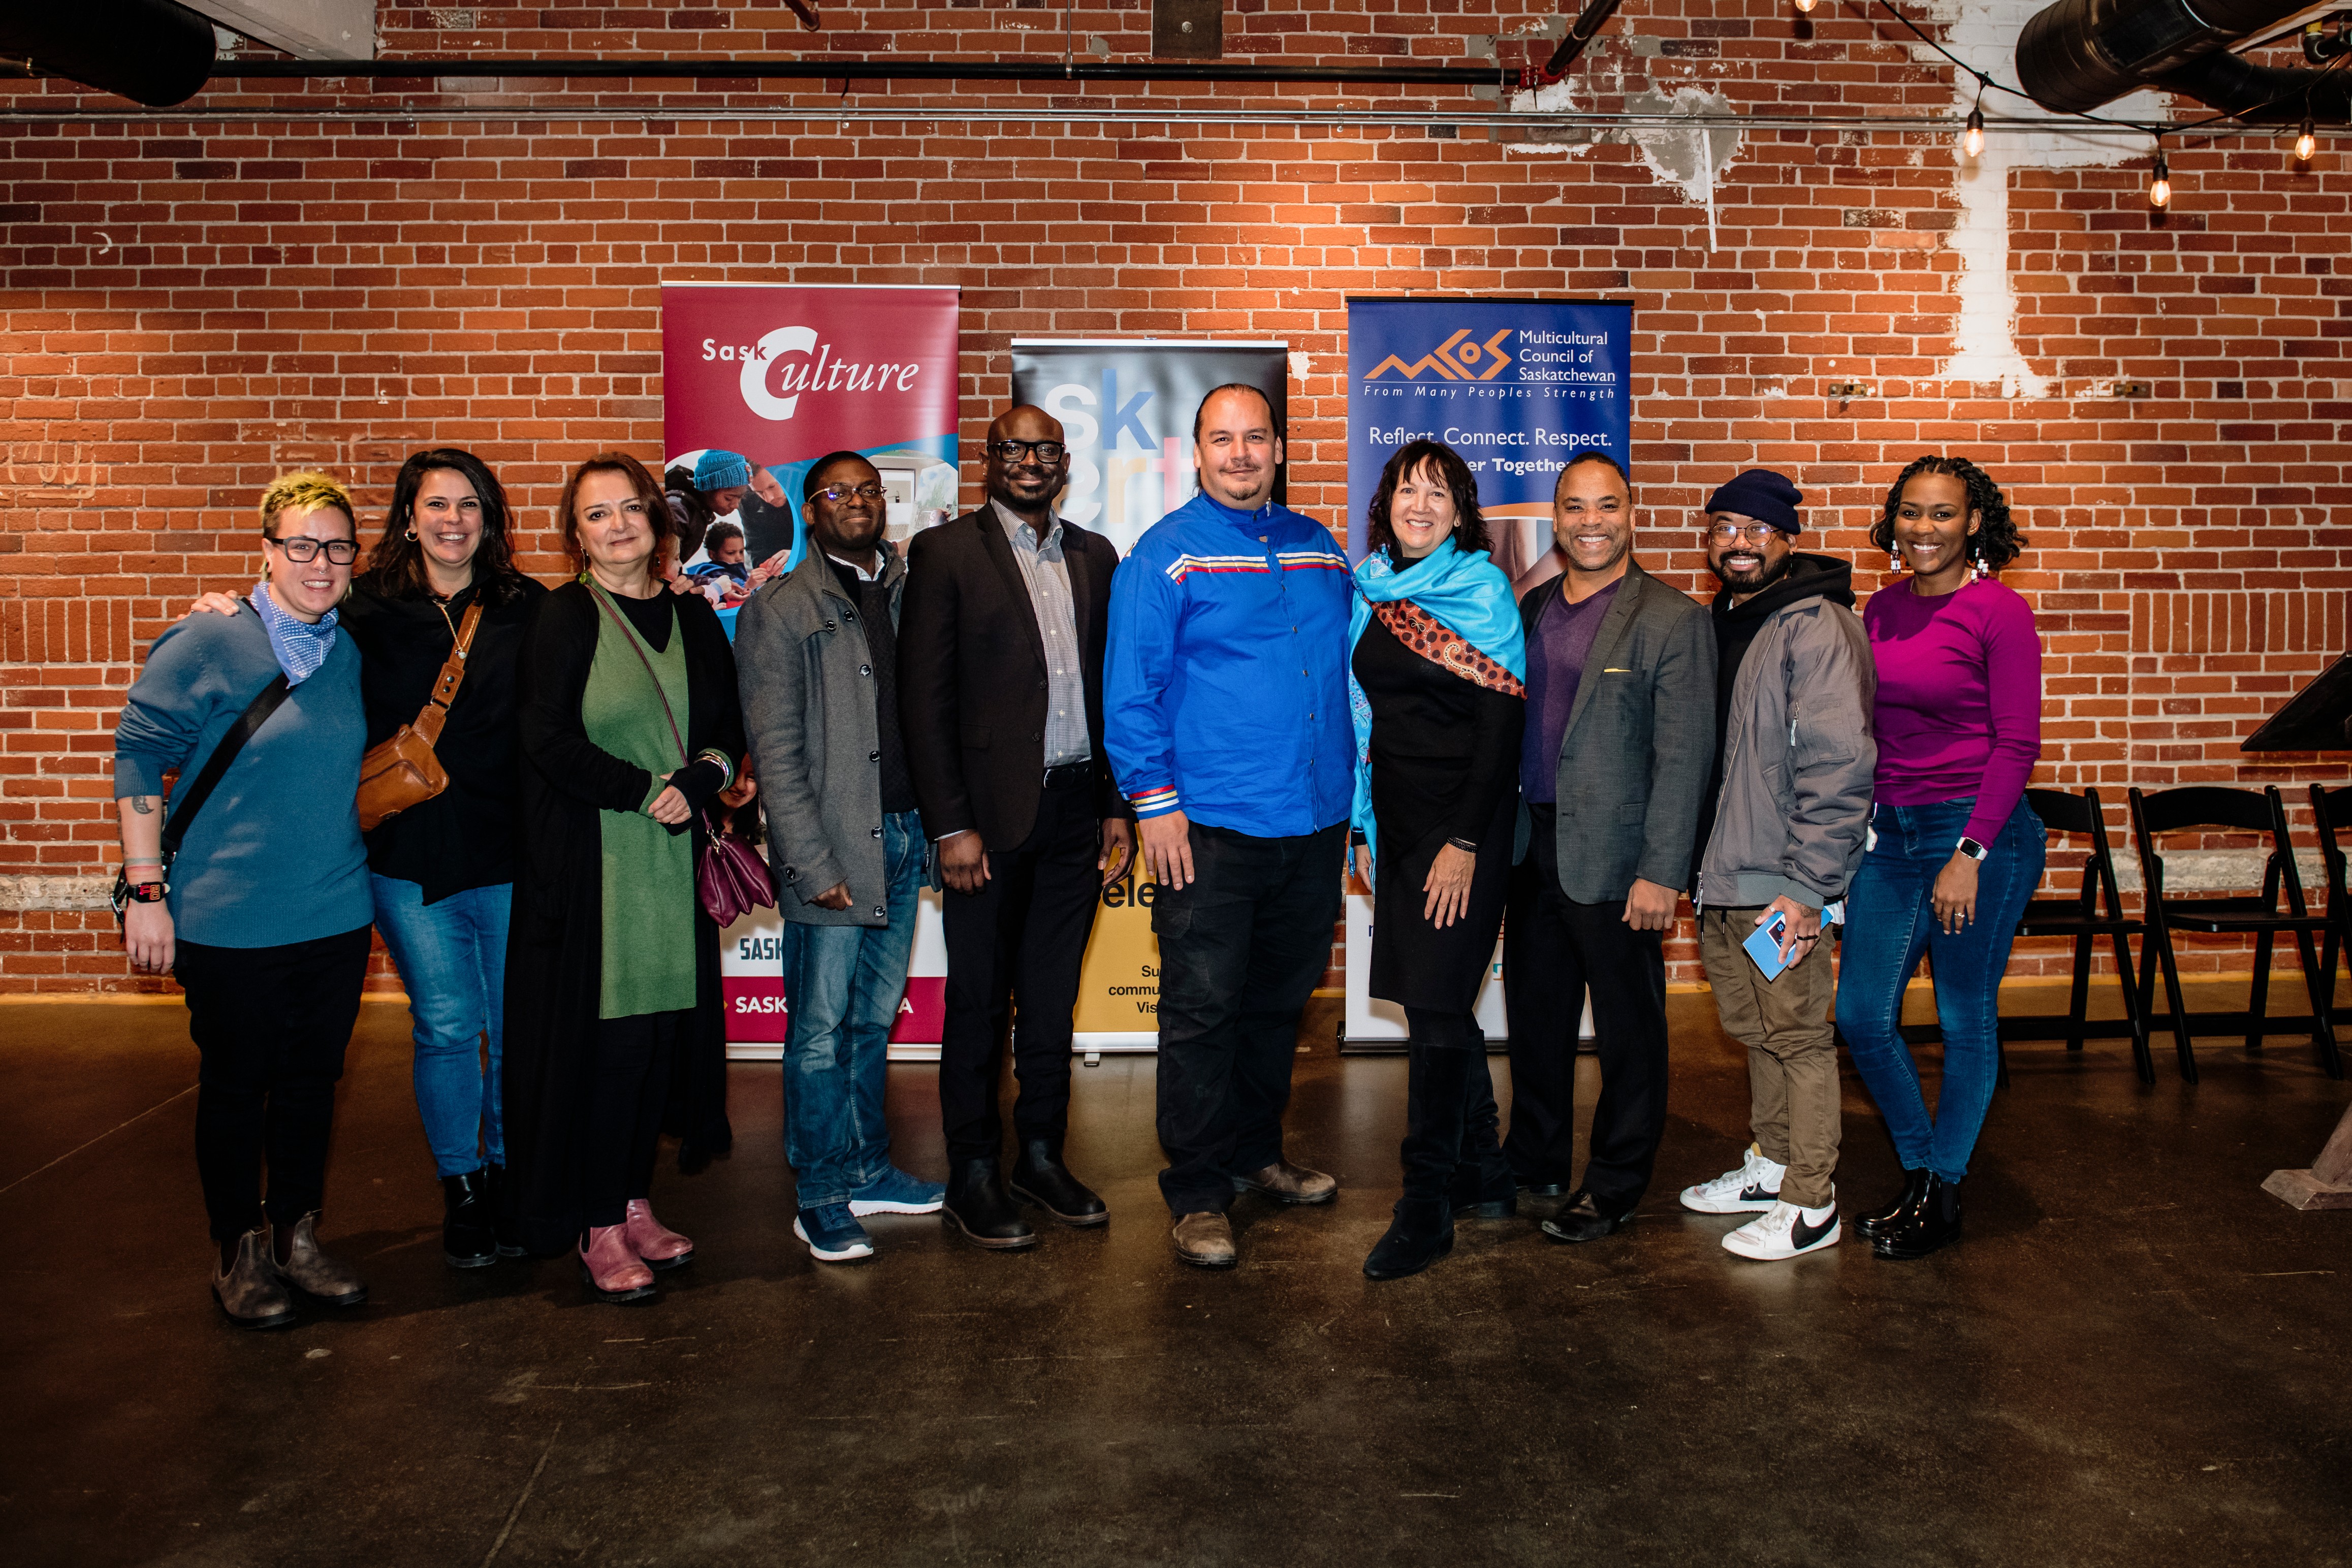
(1225, 715)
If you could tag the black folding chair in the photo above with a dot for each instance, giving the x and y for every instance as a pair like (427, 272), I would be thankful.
(2096, 911)
(2245, 811)
(2324, 810)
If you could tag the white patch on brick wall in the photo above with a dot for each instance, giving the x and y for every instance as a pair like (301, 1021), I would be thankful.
(1692, 161)
(1984, 32)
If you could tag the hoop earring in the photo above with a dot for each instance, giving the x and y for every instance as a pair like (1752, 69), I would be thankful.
(411, 535)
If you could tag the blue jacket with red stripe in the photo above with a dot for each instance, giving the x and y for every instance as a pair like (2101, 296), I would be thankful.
(1225, 691)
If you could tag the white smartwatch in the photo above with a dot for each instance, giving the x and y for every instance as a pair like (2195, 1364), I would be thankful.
(1973, 849)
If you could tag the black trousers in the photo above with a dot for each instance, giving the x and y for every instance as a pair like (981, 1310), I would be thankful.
(628, 1089)
(1242, 947)
(1018, 943)
(1553, 947)
(270, 1025)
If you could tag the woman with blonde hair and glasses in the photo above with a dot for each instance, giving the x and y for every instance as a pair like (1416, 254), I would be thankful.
(630, 730)
(261, 912)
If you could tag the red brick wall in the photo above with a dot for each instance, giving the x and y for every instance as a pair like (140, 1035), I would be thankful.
(192, 304)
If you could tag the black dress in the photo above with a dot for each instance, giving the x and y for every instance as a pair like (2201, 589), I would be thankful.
(1445, 763)
(555, 946)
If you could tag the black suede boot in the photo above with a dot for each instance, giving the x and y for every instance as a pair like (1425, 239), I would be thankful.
(1482, 1183)
(1895, 1211)
(467, 1237)
(1934, 1224)
(502, 1204)
(1437, 1082)
(979, 1209)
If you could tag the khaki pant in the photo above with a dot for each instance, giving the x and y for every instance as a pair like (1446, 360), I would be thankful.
(1793, 1071)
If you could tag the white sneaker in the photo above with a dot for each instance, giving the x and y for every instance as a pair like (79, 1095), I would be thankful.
(1754, 1188)
(1784, 1231)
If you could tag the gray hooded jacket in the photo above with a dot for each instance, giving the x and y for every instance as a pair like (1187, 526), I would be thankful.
(1798, 763)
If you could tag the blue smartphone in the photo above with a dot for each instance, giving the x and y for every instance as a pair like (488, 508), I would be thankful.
(1763, 944)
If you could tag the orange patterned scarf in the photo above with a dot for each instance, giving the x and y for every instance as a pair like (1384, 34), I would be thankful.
(1433, 640)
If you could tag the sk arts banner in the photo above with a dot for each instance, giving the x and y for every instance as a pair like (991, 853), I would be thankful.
(1517, 387)
(1126, 408)
(782, 375)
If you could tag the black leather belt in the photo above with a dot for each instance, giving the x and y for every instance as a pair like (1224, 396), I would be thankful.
(1069, 775)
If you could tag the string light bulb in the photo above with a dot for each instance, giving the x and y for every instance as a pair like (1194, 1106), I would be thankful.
(2159, 186)
(1972, 138)
(2306, 141)
(1806, 6)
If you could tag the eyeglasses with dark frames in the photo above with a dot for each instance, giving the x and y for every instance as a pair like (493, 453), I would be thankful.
(303, 548)
(839, 493)
(1014, 451)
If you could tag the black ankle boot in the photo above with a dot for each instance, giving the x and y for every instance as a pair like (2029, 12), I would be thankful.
(978, 1209)
(1422, 1233)
(1892, 1214)
(1040, 1177)
(502, 1204)
(469, 1239)
(1437, 1084)
(1482, 1183)
(1936, 1223)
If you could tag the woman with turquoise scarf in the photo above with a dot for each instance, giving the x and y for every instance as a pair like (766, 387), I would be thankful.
(1435, 670)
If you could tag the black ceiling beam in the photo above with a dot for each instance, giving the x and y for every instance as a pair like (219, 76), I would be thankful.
(1021, 71)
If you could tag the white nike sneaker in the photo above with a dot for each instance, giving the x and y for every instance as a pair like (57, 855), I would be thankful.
(1784, 1231)
(1754, 1188)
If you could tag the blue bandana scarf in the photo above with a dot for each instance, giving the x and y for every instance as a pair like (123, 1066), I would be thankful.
(1464, 588)
(301, 646)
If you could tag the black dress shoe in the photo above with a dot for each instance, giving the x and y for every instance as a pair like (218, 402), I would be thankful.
(1422, 1233)
(1584, 1219)
(469, 1239)
(979, 1210)
(1934, 1224)
(1040, 1177)
(1486, 1195)
(1534, 1187)
(1895, 1211)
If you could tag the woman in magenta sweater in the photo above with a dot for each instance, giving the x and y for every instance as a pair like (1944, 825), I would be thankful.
(1954, 850)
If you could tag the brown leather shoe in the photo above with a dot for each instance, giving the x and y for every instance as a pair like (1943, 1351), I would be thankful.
(1206, 1240)
(1287, 1183)
(249, 1291)
(313, 1272)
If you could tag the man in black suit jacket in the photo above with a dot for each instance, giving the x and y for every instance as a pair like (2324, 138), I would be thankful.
(1620, 741)
(1000, 647)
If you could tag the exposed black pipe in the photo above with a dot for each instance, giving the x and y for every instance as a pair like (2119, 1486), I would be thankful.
(1587, 24)
(2079, 54)
(883, 71)
(150, 51)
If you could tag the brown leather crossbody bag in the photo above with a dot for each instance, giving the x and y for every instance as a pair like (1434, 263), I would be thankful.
(402, 772)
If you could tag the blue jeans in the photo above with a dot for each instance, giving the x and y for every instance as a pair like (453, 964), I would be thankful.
(1889, 922)
(452, 958)
(843, 985)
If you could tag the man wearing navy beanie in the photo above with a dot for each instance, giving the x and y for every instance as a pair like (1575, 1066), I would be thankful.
(1780, 836)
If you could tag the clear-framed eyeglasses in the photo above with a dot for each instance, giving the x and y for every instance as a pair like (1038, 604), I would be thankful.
(1728, 533)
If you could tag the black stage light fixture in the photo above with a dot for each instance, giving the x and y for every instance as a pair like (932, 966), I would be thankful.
(150, 51)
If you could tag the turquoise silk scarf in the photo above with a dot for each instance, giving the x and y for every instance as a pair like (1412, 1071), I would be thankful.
(1463, 590)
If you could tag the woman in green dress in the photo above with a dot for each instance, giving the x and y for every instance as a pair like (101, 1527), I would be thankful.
(630, 730)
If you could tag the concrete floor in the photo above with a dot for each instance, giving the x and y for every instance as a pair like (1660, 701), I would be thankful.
(2136, 1358)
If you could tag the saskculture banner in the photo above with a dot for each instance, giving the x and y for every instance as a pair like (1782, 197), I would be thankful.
(1517, 387)
(782, 375)
(1126, 407)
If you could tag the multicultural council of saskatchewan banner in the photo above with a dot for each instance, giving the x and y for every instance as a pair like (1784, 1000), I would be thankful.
(1516, 386)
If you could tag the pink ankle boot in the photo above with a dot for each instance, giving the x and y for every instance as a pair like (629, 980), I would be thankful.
(650, 1239)
(611, 1268)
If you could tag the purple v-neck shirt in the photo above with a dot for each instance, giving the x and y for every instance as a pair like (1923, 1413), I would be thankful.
(1556, 656)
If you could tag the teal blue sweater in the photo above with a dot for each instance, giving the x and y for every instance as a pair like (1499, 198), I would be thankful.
(274, 856)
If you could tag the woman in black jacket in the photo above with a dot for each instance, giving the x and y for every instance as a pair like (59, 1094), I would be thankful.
(630, 727)
(1436, 673)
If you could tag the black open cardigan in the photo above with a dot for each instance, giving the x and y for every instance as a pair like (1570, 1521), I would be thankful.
(555, 946)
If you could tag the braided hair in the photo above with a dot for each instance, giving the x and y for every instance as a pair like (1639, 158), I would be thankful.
(1996, 542)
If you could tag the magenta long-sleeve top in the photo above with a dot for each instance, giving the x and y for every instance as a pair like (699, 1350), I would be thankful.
(1960, 699)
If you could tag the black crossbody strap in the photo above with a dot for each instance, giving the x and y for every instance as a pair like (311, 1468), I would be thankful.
(191, 799)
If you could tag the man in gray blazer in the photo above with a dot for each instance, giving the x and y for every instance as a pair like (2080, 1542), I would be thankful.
(816, 654)
(1620, 743)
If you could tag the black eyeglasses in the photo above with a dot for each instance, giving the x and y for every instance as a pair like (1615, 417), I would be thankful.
(303, 548)
(837, 494)
(1014, 451)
